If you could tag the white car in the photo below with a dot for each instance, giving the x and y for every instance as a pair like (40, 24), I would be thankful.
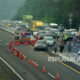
(55, 31)
(49, 40)
(40, 45)
(73, 31)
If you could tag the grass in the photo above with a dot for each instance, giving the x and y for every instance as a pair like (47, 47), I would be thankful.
(0, 77)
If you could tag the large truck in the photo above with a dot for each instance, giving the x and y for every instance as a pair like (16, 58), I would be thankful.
(36, 25)
(22, 35)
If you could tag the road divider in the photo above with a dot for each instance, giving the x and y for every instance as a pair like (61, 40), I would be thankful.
(23, 57)
(25, 42)
(32, 63)
(29, 60)
(36, 65)
(17, 43)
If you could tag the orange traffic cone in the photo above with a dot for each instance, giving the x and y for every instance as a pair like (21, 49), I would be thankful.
(29, 61)
(35, 65)
(20, 55)
(57, 77)
(24, 58)
(44, 69)
(32, 63)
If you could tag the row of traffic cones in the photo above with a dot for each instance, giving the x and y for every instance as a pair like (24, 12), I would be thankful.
(43, 70)
(21, 56)
(32, 63)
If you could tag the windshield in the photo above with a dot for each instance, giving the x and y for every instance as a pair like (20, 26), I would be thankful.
(41, 42)
(49, 38)
(40, 27)
(42, 32)
(54, 27)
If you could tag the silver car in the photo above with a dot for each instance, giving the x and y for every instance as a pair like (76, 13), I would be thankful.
(40, 45)
(49, 40)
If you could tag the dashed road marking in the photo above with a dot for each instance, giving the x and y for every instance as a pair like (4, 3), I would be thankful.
(6, 44)
(51, 75)
(11, 68)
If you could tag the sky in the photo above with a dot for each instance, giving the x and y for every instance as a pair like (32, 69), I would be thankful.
(8, 8)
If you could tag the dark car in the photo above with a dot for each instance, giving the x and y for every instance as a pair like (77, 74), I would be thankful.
(41, 45)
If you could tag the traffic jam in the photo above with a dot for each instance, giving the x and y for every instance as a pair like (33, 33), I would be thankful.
(47, 37)
(43, 37)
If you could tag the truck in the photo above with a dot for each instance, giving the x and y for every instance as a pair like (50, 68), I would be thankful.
(22, 35)
(36, 25)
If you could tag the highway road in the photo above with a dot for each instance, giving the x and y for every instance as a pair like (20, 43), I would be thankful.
(23, 69)
(6, 73)
(27, 72)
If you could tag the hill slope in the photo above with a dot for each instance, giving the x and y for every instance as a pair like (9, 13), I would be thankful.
(8, 8)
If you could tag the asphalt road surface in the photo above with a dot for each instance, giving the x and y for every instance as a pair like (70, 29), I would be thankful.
(26, 71)
(6, 73)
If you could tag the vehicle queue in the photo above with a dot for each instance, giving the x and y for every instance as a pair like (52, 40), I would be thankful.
(49, 35)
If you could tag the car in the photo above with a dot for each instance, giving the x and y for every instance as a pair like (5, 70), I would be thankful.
(49, 35)
(41, 45)
(54, 26)
(55, 31)
(42, 34)
(47, 31)
(49, 40)
(66, 31)
(53, 35)
(73, 31)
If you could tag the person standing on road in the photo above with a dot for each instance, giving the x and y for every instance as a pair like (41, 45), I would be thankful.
(61, 47)
(55, 47)
(69, 47)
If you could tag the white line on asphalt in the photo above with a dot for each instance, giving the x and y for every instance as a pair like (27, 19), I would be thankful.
(11, 68)
(51, 75)
(6, 44)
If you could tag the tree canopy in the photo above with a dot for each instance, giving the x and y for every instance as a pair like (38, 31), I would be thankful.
(52, 11)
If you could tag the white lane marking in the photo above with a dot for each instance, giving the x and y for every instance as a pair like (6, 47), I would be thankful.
(51, 75)
(11, 68)
(6, 44)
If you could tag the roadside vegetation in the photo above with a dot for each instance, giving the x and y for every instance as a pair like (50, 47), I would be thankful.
(57, 11)
(0, 77)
